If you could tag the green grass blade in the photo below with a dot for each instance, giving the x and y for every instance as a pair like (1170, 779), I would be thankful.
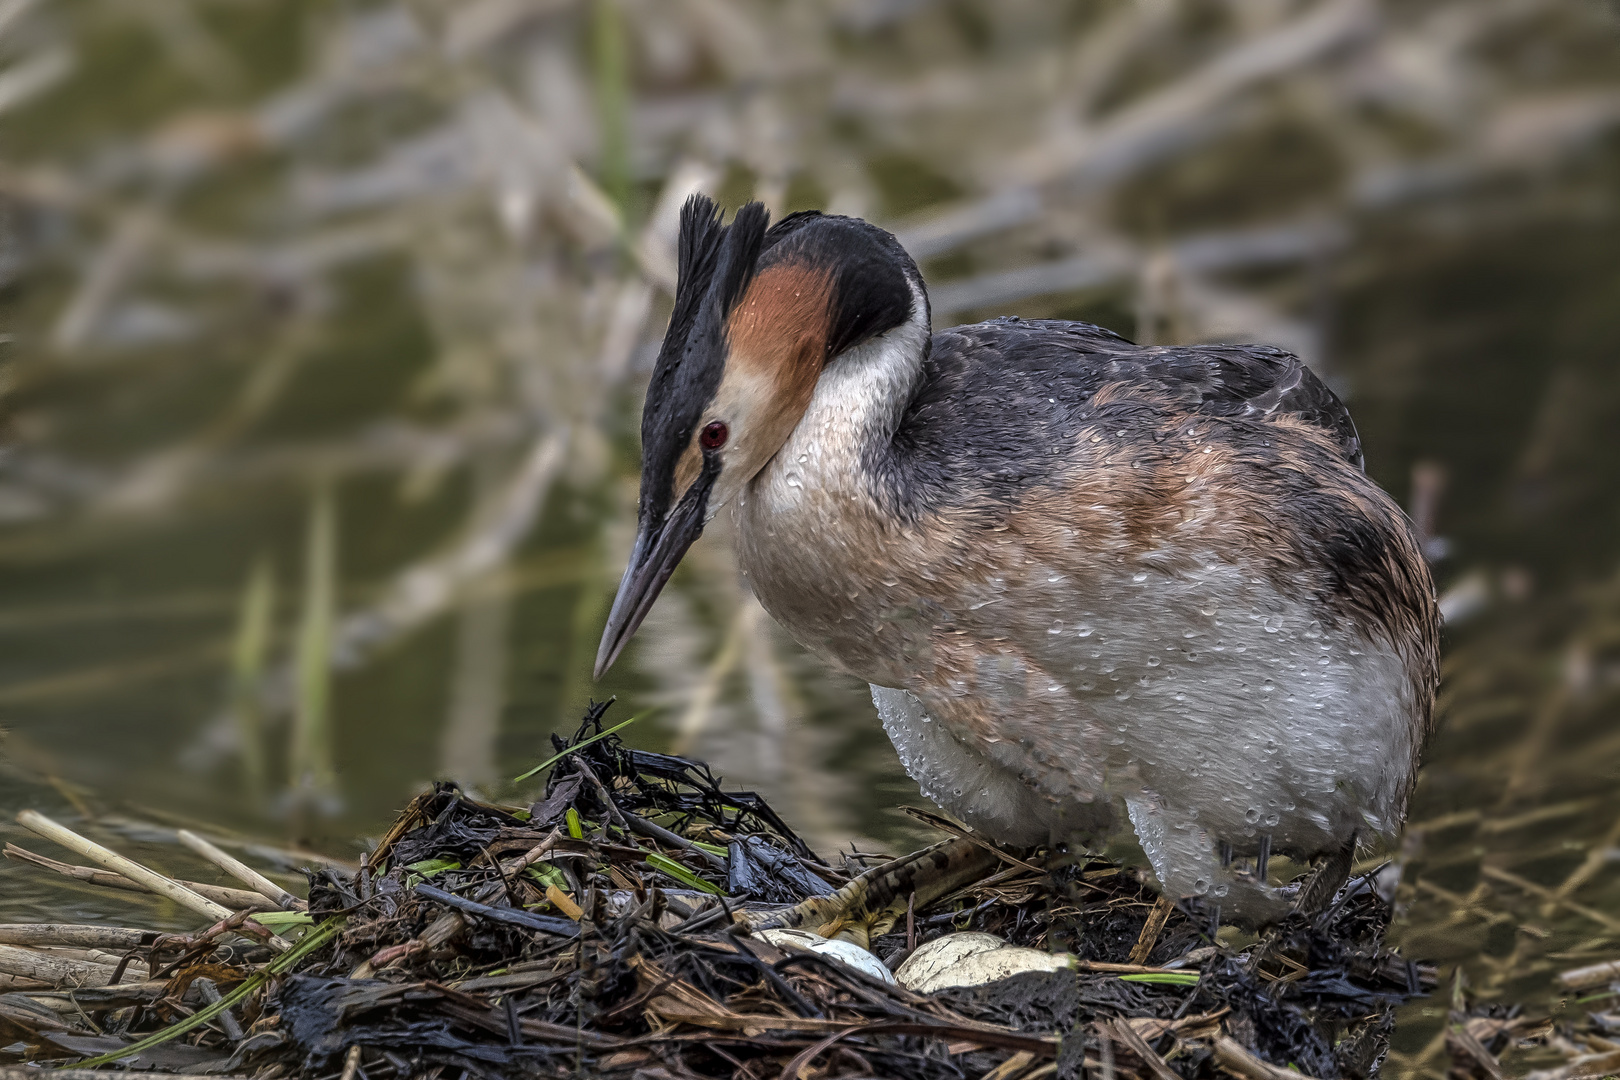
(280, 921)
(612, 87)
(312, 941)
(430, 867)
(311, 753)
(250, 650)
(1164, 978)
(546, 874)
(550, 761)
(665, 865)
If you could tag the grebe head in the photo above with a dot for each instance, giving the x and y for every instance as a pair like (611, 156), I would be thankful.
(758, 314)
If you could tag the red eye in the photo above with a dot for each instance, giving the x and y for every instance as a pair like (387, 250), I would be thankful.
(714, 436)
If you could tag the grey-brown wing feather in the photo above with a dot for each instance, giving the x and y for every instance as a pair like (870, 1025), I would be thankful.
(996, 397)
(1251, 379)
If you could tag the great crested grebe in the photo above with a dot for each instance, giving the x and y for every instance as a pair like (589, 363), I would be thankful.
(1097, 588)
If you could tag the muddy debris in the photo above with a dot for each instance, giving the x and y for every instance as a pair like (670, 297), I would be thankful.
(597, 932)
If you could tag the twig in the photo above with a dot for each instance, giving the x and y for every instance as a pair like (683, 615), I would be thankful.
(553, 759)
(30, 1072)
(1043, 1046)
(1582, 978)
(564, 903)
(227, 1019)
(157, 883)
(76, 935)
(533, 855)
(30, 964)
(351, 1063)
(1121, 1031)
(1150, 929)
(235, 899)
(1590, 1066)
(1013, 1066)
(654, 831)
(36, 822)
(1104, 967)
(440, 931)
(1464, 1043)
(512, 916)
(283, 899)
(1231, 1056)
(316, 938)
(601, 789)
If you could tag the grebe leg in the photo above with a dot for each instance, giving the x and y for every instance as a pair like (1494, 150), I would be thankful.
(1317, 893)
(872, 903)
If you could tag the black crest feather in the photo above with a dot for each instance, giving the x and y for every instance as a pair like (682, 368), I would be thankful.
(697, 251)
(715, 262)
(745, 236)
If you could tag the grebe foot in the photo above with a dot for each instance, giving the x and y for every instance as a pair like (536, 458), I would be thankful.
(871, 904)
(1313, 897)
(1318, 892)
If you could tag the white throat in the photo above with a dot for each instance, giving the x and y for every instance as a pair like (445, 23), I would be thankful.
(857, 403)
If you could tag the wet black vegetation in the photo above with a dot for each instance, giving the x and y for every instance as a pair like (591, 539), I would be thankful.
(593, 934)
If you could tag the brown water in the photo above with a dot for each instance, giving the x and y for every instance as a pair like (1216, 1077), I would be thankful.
(264, 258)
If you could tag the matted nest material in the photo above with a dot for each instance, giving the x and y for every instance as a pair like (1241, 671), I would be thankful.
(593, 934)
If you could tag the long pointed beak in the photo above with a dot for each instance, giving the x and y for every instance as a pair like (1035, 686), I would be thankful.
(658, 550)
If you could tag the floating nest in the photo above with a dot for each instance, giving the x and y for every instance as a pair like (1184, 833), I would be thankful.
(595, 933)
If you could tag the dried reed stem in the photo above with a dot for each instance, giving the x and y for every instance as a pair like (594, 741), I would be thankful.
(1231, 1056)
(58, 971)
(155, 882)
(36, 822)
(242, 872)
(235, 899)
(76, 935)
(1591, 977)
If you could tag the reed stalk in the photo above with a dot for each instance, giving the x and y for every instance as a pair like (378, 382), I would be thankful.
(152, 881)
(242, 872)
(234, 899)
(310, 767)
(56, 970)
(250, 651)
(317, 937)
(612, 87)
(75, 935)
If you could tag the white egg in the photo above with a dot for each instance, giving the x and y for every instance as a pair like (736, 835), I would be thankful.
(941, 953)
(845, 952)
(972, 960)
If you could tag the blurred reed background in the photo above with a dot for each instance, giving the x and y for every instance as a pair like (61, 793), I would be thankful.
(327, 323)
